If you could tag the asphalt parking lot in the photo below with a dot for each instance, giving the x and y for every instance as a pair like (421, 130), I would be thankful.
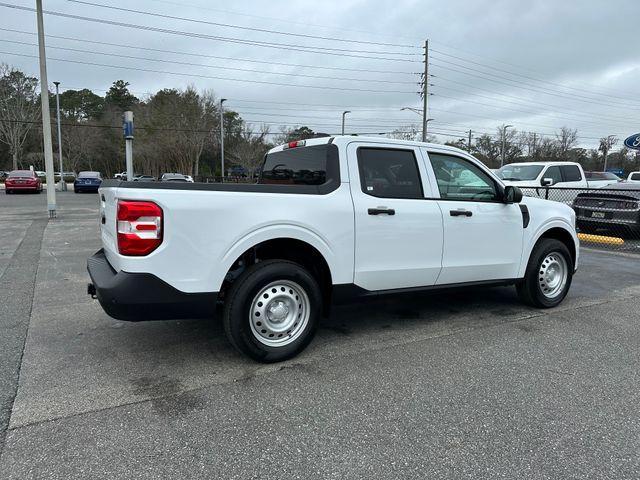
(463, 385)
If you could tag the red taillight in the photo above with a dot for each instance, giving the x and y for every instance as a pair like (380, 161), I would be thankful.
(139, 226)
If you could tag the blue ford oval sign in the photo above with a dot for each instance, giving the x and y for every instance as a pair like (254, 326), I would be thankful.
(633, 141)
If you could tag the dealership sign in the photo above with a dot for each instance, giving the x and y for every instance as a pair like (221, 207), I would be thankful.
(633, 141)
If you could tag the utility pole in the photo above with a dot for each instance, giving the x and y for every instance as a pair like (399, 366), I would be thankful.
(469, 142)
(46, 116)
(222, 100)
(535, 144)
(127, 125)
(343, 115)
(425, 90)
(504, 135)
(63, 184)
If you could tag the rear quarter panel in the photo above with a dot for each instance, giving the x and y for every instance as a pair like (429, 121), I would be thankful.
(204, 232)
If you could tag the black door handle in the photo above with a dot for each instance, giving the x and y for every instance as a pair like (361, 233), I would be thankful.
(460, 213)
(381, 210)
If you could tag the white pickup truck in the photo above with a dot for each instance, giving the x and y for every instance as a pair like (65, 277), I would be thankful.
(331, 220)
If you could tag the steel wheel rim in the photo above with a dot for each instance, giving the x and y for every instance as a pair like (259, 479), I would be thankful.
(279, 313)
(553, 274)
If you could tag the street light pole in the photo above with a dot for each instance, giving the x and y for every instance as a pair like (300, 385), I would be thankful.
(46, 115)
(504, 134)
(222, 100)
(343, 115)
(425, 121)
(63, 184)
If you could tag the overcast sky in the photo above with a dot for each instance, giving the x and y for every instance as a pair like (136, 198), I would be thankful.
(537, 65)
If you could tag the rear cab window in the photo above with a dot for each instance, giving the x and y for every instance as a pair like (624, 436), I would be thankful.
(305, 165)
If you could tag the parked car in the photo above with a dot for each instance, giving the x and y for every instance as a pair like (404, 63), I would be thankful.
(144, 178)
(601, 179)
(616, 209)
(634, 177)
(3, 174)
(22, 181)
(332, 219)
(41, 174)
(531, 176)
(237, 171)
(189, 178)
(173, 177)
(87, 182)
(121, 175)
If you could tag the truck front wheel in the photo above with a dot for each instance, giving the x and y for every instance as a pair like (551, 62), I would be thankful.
(548, 276)
(272, 310)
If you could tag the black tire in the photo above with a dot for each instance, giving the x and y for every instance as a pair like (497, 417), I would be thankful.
(529, 290)
(7, 191)
(238, 304)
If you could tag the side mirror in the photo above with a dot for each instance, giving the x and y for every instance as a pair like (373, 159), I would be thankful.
(512, 194)
(546, 182)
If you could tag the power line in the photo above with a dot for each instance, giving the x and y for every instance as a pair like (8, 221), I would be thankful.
(262, 82)
(240, 27)
(528, 104)
(521, 68)
(217, 57)
(498, 106)
(133, 57)
(528, 112)
(534, 88)
(282, 46)
(287, 19)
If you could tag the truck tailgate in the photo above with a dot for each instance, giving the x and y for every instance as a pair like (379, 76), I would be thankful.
(108, 211)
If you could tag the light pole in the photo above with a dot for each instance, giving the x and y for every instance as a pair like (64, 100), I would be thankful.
(46, 115)
(424, 123)
(222, 100)
(63, 184)
(504, 135)
(343, 115)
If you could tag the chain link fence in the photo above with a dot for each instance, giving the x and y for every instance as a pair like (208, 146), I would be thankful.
(606, 218)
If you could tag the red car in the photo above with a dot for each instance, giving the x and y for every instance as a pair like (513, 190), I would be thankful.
(22, 180)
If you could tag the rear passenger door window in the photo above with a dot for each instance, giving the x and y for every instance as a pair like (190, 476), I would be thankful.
(554, 174)
(571, 173)
(389, 173)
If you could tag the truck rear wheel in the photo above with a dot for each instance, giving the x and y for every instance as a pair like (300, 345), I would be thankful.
(272, 310)
(548, 276)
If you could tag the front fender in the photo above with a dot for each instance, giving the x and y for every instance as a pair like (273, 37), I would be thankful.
(539, 231)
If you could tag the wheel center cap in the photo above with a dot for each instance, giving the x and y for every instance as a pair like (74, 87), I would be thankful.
(278, 311)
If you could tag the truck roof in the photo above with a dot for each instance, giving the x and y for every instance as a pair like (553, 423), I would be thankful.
(557, 163)
(342, 139)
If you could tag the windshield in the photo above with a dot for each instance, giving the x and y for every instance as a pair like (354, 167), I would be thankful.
(89, 175)
(21, 173)
(520, 172)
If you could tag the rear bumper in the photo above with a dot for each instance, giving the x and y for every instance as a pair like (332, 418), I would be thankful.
(143, 296)
(31, 188)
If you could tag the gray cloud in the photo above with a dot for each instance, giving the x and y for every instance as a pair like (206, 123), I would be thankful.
(537, 65)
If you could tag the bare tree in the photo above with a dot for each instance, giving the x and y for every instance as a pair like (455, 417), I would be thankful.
(18, 109)
(249, 150)
(566, 139)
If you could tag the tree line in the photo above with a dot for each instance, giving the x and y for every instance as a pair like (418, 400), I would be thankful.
(178, 130)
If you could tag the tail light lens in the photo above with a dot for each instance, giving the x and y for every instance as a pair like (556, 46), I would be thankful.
(139, 226)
